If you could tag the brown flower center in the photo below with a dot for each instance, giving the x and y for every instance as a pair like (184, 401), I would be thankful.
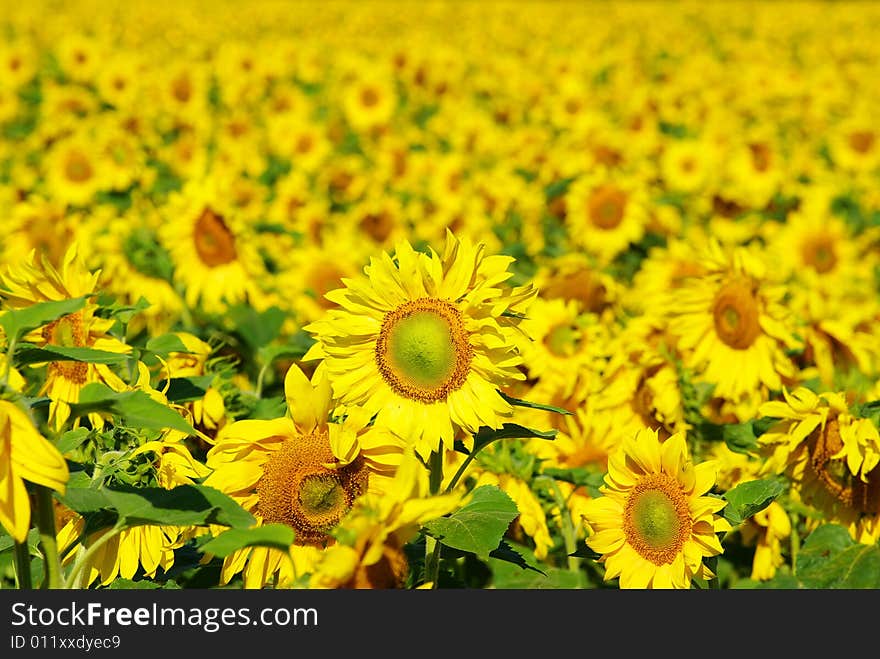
(862, 141)
(369, 97)
(215, 243)
(761, 156)
(323, 277)
(819, 253)
(77, 167)
(181, 88)
(68, 331)
(862, 496)
(298, 490)
(580, 285)
(377, 225)
(606, 207)
(736, 314)
(390, 571)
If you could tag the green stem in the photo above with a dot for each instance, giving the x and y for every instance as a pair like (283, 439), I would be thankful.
(432, 561)
(568, 534)
(83, 558)
(23, 566)
(48, 539)
(460, 472)
(432, 546)
(795, 544)
(435, 463)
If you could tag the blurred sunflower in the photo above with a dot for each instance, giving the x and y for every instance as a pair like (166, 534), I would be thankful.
(424, 341)
(37, 280)
(215, 259)
(654, 525)
(732, 327)
(830, 454)
(605, 214)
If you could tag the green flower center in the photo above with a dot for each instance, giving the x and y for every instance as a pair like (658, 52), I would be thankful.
(321, 494)
(423, 351)
(562, 340)
(657, 519)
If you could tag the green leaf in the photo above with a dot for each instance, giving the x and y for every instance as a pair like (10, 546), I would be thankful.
(166, 344)
(583, 551)
(740, 437)
(257, 328)
(486, 435)
(33, 541)
(136, 408)
(276, 536)
(558, 188)
(479, 525)
(508, 554)
(536, 406)
(829, 558)
(183, 505)
(506, 577)
(781, 581)
(296, 347)
(32, 355)
(127, 584)
(272, 407)
(17, 322)
(72, 439)
(183, 390)
(580, 476)
(749, 498)
(124, 312)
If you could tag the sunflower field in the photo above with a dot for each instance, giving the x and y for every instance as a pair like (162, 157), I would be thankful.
(432, 295)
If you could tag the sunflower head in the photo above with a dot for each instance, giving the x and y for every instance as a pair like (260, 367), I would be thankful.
(654, 526)
(424, 341)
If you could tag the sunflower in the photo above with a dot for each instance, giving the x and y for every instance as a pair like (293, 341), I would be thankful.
(73, 171)
(208, 412)
(370, 551)
(572, 277)
(605, 213)
(41, 224)
(300, 470)
(687, 165)
(733, 328)
(830, 454)
(311, 271)
(561, 347)
(36, 280)
(299, 140)
(215, 260)
(25, 455)
(854, 144)
(425, 342)
(765, 530)
(654, 525)
(19, 61)
(818, 249)
(369, 102)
